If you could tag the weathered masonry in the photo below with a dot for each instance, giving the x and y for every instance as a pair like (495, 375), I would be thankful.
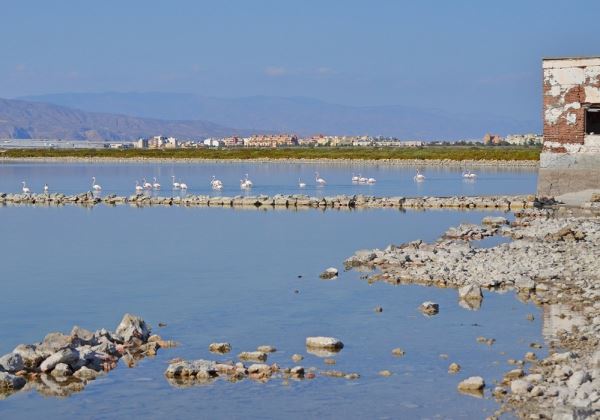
(570, 159)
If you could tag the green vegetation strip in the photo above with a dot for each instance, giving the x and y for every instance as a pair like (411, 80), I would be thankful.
(359, 153)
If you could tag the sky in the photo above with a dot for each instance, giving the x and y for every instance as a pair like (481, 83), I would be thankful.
(460, 56)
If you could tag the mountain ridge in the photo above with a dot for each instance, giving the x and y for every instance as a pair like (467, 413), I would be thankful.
(300, 115)
(20, 119)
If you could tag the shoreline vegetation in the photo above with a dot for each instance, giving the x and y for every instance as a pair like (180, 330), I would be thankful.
(471, 155)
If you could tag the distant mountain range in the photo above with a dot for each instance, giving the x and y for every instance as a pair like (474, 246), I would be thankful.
(35, 120)
(298, 115)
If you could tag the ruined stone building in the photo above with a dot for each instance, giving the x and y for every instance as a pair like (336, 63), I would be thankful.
(570, 159)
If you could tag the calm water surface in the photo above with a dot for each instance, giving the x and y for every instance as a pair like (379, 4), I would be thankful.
(229, 275)
(272, 178)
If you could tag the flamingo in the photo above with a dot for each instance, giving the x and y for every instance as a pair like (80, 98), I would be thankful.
(138, 187)
(95, 187)
(46, 188)
(156, 185)
(419, 176)
(469, 175)
(301, 184)
(245, 183)
(355, 178)
(362, 179)
(248, 182)
(216, 184)
(25, 188)
(147, 185)
(371, 181)
(183, 186)
(176, 185)
(319, 180)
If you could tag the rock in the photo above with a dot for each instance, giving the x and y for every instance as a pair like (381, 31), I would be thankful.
(11, 362)
(535, 345)
(61, 370)
(86, 373)
(329, 343)
(530, 317)
(67, 355)
(520, 386)
(329, 273)
(578, 378)
(8, 381)
(329, 361)
(494, 221)
(254, 356)
(385, 373)
(220, 348)
(29, 354)
(82, 334)
(398, 352)
(266, 349)
(259, 368)
(53, 342)
(429, 308)
(378, 309)
(514, 374)
(201, 369)
(470, 292)
(454, 368)
(132, 326)
(352, 376)
(537, 391)
(297, 371)
(473, 383)
(297, 357)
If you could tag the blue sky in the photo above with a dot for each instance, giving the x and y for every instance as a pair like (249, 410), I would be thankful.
(456, 55)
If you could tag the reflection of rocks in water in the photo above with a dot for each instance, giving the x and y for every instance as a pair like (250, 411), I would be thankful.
(559, 317)
(63, 364)
(471, 305)
(49, 386)
(322, 352)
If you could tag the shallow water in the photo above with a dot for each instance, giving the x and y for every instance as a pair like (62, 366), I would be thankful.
(215, 275)
(271, 178)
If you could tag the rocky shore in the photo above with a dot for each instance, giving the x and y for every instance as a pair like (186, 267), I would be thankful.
(552, 260)
(498, 202)
(318, 161)
(62, 364)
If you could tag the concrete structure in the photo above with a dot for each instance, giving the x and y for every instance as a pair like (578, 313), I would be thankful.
(529, 139)
(279, 140)
(570, 159)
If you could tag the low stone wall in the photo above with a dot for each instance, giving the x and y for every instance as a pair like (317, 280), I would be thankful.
(294, 201)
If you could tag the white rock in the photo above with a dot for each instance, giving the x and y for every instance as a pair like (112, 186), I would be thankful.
(520, 386)
(473, 383)
(324, 343)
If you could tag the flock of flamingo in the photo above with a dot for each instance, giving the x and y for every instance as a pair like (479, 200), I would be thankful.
(245, 183)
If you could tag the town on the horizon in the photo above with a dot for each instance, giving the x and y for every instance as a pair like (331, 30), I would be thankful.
(272, 141)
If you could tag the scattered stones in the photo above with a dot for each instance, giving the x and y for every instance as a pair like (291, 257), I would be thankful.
(488, 341)
(220, 348)
(329, 273)
(297, 357)
(328, 343)
(398, 352)
(473, 385)
(254, 356)
(385, 373)
(266, 349)
(520, 386)
(552, 261)
(429, 308)
(454, 368)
